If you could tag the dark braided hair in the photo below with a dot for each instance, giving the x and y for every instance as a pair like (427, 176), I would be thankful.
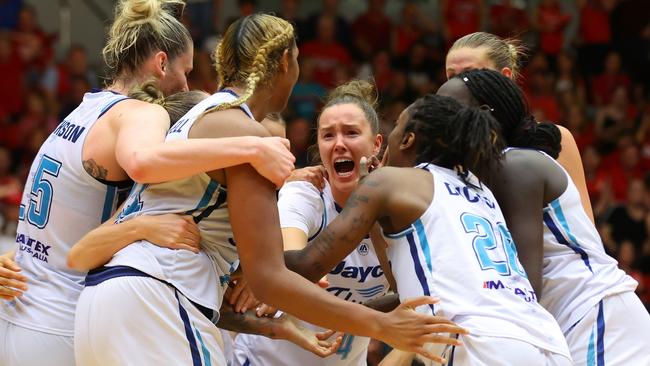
(508, 105)
(452, 136)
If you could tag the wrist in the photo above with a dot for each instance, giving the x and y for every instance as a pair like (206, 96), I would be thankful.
(138, 227)
(253, 150)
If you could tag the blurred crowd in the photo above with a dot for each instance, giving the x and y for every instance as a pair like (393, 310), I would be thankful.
(586, 68)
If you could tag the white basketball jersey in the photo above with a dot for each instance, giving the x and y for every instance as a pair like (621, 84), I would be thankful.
(461, 252)
(577, 273)
(61, 203)
(358, 278)
(201, 277)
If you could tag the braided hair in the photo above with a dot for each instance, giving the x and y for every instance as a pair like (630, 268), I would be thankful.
(508, 105)
(453, 136)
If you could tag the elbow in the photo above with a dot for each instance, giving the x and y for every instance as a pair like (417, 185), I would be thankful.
(138, 168)
(72, 261)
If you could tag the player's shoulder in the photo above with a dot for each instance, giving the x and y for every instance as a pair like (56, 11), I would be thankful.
(228, 123)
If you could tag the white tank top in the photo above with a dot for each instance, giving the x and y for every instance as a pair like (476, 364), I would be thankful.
(358, 278)
(202, 277)
(577, 273)
(461, 251)
(61, 203)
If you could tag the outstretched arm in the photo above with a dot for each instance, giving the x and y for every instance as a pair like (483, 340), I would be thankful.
(142, 152)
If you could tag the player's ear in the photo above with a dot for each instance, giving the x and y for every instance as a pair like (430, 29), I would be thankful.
(408, 141)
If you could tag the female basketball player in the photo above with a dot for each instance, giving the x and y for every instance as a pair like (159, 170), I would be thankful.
(348, 129)
(484, 50)
(171, 295)
(593, 301)
(89, 160)
(446, 236)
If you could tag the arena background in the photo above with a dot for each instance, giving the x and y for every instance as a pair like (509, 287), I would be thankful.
(587, 69)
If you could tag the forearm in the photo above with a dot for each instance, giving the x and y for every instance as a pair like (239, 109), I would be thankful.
(385, 304)
(295, 295)
(98, 246)
(247, 322)
(180, 159)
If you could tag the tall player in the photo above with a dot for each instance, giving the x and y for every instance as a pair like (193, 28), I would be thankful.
(87, 162)
(604, 322)
(484, 50)
(348, 129)
(172, 296)
(446, 236)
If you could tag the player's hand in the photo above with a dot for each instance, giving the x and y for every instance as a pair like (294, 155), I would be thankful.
(318, 343)
(12, 282)
(265, 310)
(405, 329)
(367, 165)
(315, 175)
(273, 160)
(171, 231)
(240, 296)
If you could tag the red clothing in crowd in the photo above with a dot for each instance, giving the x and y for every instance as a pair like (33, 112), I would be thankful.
(507, 20)
(594, 24)
(552, 23)
(462, 17)
(325, 58)
(373, 29)
(604, 85)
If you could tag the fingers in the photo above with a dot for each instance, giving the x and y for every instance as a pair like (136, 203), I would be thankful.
(11, 274)
(8, 293)
(237, 290)
(7, 282)
(285, 142)
(10, 264)
(414, 302)
(424, 353)
(325, 335)
(323, 282)
(445, 327)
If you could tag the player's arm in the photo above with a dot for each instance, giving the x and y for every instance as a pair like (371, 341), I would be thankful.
(571, 161)
(97, 247)
(255, 225)
(284, 327)
(12, 282)
(519, 189)
(142, 152)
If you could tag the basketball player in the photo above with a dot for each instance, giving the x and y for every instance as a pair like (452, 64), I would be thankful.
(484, 50)
(446, 236)
(593, 300)
(173, 296)
(348, 129)
(87, 163)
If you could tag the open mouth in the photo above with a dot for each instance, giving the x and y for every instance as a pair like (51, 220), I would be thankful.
(344, 167)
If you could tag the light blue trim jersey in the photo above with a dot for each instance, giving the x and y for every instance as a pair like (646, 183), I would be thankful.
(461, 251)
(61, 203)
(202, 277)
(358, 278)
(577, 273)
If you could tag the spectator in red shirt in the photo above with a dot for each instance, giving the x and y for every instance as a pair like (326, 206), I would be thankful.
(33, 44)
(371, 30)
(549, 19)
(594, 33)
(507, 20)
(12, 71)
(408, 31)
(325, 52)
(10, 192)
(461, 17)
(604, 85)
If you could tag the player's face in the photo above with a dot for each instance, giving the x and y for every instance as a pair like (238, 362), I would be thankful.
(466, 58)
(283, 84)
(455, 88)
(394, 152)
(344, 137)
(175, 78)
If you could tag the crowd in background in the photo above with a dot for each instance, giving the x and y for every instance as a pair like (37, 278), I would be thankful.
(586, 69)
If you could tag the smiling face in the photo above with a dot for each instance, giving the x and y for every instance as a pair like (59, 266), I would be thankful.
(344, 137)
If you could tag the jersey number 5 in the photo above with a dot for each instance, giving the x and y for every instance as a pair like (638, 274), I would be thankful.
(499, 255)
(40, 197)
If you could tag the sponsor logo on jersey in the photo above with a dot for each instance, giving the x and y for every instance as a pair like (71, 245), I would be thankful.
(363, 249)
(33, 247)
(525, 294)
(361, 272)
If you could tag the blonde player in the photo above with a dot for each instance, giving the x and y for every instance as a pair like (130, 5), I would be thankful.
(348, 129)
(88, 162)
(446, 236)
(172, 297)
(484, 50)
(604, 322)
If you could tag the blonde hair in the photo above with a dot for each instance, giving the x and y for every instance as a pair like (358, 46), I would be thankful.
(142, 27)
(502, 52)
(250, 54)
(361, 93)
(176, 105)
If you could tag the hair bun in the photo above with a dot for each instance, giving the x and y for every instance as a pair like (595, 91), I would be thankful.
(360, 89)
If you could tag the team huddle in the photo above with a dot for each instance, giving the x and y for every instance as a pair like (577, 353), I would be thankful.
(151, 231)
